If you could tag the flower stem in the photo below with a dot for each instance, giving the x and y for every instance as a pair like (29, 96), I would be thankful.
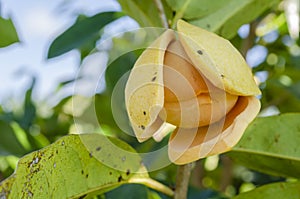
(182, 180)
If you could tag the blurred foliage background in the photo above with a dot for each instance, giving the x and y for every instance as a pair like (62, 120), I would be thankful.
(266, 33)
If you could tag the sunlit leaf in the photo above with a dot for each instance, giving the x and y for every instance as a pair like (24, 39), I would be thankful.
(81, 33)
(273, 191)
(77, 166)
(271, 145)
(193, 9)
(226, 17)
(72, 167)
(8, 33)
(144, 12)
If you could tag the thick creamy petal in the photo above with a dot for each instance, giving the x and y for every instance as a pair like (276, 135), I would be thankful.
(144, 91)
(182, 81)
(202, 110)
(188, 145)
(217, 59)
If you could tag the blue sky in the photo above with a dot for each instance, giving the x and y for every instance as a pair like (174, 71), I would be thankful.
(38, 23)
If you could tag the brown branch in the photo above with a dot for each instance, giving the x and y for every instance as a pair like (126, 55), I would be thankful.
(182, 180)
(250, 40)
(226, 172)
(197, 175)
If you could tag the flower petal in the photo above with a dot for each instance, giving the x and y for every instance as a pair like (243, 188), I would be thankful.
(188, 145)
(217, 59)
(182, 81)
(200, 111)
(144, 91)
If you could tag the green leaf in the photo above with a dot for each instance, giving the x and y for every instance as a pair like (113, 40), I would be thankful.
(119, 67)
(81, 33)
(271, 145)
(68, 169)
(8, 33)
(132, 191)
(9, 144)
(29, 114)
(193, 9)
(144, 12)
(76, 166)
(228, 18)
(273, 191)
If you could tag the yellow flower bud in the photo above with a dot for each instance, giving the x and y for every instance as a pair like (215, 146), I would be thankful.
(198, 82)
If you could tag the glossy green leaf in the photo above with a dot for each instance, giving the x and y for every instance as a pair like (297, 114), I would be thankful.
(144, 12)
(9, 144)
(273, 191)
(132, 191)
(228, 18)
(73, 167)
(8, 33)
(271, 145)
(81, 32)
(192, 9)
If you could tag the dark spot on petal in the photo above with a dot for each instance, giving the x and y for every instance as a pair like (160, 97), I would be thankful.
(110, 173)
(143, 127)
(222, 75)
(153, 79)
(200, 52)
(87, 175)
(82, 172)
(98, 148)
(144, 112)
(90, 154)
(208, 25)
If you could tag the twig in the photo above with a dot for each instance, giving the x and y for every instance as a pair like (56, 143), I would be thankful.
(250, 40)
(162, 13)
(152, 184)
(182, 181)
(226, 179)
(197, 175)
